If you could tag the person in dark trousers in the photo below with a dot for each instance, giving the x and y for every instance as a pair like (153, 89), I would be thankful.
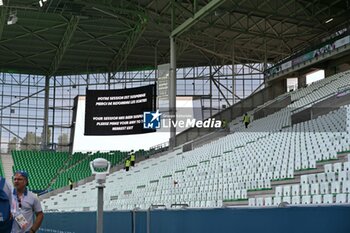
(132, 158)
(246, 120)
(70, 182)
(127, 165)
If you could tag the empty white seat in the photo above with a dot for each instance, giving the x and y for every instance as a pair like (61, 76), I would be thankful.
(286, 190)
(243, 194)
(346, 166)
(219, 203)
(261, 184)
(305, 189)
(330, 176)
(337, 167)
(321, 177)
(251, 201)
(343, 176)
(335, 187)
(238, 194)
(306, 200)
(304, 179)
(346, 187)
(259, 201)
(328, 168)
(277, 201)
(340, 198)
(328, 198)
(276, 175)
(268, 201)
(267, 183)
(324, 188)
(295, 200)
(314, 189)
(316, 199)
(295, 189)
(278, 191)
(311, 178)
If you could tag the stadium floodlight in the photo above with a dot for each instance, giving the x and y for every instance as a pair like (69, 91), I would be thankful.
(1, 3)
(100, 178)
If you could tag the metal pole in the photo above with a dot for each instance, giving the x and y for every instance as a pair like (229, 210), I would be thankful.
(149, 220)
(53, 113)
(109, 80)
(211, 89)
(233, 73)
(172, 83)
(172, 96)
(133, 221)
(46, 114)
(99, 223)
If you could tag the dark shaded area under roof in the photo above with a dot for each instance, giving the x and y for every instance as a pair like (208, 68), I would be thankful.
(89, 36)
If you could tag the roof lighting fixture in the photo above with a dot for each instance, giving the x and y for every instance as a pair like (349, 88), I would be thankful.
(12, 19)
(41, 2)
(329, 20)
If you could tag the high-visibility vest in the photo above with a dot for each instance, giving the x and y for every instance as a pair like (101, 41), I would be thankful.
(246, 119)
(127, 163)
(224, 124)
(132, 157)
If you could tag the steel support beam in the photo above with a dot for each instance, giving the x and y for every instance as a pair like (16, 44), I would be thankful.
(2, 19)
(32, 32)
(128, 45)
(172, 92)
(45, 135)
(18, 101)
(72, 26)
(197, 17)
(11, 132)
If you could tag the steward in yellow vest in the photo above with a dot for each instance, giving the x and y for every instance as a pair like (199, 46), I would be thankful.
(127, 165)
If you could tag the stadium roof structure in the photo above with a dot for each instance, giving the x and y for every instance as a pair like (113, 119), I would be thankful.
(64, 37)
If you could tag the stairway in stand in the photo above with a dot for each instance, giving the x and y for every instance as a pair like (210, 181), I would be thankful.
(7, 163)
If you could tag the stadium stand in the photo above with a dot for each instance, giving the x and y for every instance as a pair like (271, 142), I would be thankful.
(37, 163)
(78, 166)
(62, 164)
(222, 59)
(230, 170)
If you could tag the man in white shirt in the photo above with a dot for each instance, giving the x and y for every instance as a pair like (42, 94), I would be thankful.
(25, 205)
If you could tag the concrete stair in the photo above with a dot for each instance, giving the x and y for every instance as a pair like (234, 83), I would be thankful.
(7, 163)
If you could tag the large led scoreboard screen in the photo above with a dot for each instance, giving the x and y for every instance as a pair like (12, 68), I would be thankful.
(118, 112)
